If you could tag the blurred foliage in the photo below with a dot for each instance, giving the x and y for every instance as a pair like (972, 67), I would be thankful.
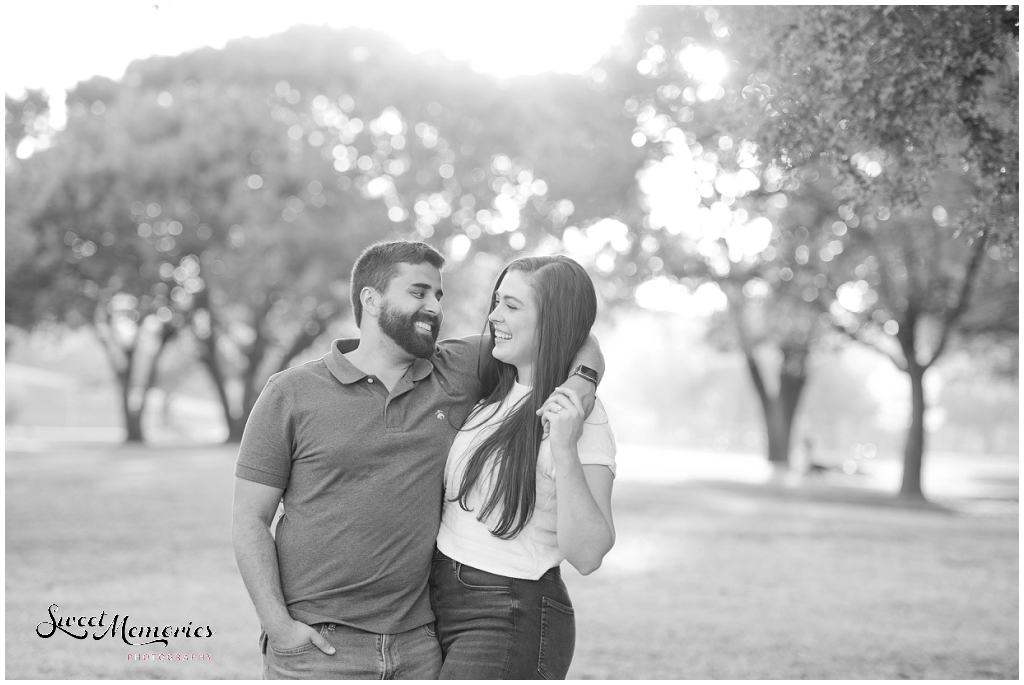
(836, 173)
(713, 212)
(915, 88)
(830, 169)
(229, 191)
(27, 116)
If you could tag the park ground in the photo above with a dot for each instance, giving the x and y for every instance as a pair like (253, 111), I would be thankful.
(710, 579)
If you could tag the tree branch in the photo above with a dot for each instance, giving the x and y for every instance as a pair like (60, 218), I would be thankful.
(857, 337)
(167, 332)
(966, 288)
(736, 308)
(119, 358)
(304, 339)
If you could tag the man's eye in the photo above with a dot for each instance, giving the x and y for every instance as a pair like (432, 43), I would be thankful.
(418, 295)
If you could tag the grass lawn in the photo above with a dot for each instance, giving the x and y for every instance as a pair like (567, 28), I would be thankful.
(707, 580)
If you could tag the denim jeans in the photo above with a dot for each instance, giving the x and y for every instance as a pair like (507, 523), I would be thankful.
(359, 655)
(498, 628)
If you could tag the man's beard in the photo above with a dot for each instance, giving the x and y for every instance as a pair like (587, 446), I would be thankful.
(402, 329)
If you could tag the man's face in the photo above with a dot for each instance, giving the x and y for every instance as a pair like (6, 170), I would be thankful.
(410, 312)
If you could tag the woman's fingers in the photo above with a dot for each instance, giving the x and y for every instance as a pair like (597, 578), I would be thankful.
(560, 400)
(573, 397)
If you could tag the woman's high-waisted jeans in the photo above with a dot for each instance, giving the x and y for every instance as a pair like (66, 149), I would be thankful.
(495, 627)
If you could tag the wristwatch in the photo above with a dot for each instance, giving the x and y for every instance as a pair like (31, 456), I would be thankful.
(585, 372)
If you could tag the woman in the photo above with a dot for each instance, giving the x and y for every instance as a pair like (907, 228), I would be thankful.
(527, 484)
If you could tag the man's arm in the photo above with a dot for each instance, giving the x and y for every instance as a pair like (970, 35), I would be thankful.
(253, 511)
(589, 355)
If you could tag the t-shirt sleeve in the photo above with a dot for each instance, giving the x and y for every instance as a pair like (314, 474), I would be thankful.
(597, 443)
(459, 358)
(265, 455)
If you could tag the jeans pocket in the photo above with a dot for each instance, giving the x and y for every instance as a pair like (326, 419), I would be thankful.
(474, 579)
(429, 629)
(301, 649)
(557, 639)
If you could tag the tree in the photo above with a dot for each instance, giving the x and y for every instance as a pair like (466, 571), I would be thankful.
(904, 278)
(832, 109)
(712, 211)
(260, 171)
(371, 143)
(907, 105)
(916, 87)
(84, 265)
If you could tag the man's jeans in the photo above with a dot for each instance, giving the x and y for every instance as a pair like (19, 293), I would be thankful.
(493, 627)
(412, 655)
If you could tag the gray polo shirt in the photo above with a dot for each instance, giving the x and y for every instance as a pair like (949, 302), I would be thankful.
(362, 471)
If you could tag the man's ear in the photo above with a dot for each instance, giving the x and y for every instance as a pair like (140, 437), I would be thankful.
(371, 300)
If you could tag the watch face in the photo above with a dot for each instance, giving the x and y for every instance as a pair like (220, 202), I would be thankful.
(586, 372)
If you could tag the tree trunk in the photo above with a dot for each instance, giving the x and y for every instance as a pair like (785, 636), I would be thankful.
(123, 368)
(780, 408)
(778, 433)
(236, 426)
(132, 416)
(913, 451)
(133, 426)
(212, 364)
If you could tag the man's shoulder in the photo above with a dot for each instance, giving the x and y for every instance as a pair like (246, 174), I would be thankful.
(298, 376)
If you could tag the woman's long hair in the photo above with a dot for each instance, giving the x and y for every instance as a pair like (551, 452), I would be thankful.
(567, 309)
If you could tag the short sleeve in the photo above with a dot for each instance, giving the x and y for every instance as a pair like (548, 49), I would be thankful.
(265, 454)
(597, 443)
(459, 359)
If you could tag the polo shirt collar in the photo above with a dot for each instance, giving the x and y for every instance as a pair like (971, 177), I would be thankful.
(346, 372)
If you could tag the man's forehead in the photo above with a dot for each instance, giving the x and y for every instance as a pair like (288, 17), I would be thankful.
(424, 273)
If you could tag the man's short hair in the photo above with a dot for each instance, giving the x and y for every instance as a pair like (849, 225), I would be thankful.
(378, 264)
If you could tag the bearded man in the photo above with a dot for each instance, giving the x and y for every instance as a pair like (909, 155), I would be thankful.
(355, 445)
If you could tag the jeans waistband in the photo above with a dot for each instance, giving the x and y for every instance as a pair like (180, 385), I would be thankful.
(555, 572)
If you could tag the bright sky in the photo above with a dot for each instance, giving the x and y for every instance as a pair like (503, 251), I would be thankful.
(55, 44)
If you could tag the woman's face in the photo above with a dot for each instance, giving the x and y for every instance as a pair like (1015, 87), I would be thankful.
(514, 323)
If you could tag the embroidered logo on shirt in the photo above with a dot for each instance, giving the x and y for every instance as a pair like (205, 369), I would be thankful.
(440, 415)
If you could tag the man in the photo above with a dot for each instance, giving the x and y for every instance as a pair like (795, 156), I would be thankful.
(355, 443)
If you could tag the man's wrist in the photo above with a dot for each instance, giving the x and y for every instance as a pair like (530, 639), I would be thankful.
(586, 373)
(279, 625)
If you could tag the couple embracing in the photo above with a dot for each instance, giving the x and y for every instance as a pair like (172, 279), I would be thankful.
(431, 489)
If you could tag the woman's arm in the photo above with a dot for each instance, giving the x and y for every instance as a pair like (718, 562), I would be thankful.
(584, 526)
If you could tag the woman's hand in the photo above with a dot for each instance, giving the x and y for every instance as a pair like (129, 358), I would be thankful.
(562, 416)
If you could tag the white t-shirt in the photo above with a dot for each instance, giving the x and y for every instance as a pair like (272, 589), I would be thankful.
(528, 555)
